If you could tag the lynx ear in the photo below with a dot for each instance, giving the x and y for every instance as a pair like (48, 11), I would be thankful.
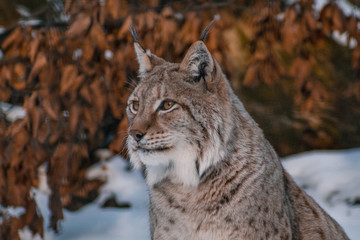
(142, 55)
(198, 61)
(143, 58)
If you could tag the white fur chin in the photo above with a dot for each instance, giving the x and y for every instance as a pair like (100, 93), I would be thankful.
(178, 165)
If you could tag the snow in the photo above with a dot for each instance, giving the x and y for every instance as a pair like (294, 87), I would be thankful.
(332, 178)
(23, 11)
(12, 112)
(93, 222)
(10, 212)
(30, 22)
(77, 54)
(108, 54)
(343, 39)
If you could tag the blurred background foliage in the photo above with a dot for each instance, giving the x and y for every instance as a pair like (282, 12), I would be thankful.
(70, 64)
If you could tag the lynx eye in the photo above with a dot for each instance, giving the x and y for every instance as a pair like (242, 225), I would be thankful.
(166, 105)
(134, 107)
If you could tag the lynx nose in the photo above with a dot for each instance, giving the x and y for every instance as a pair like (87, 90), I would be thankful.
(137, 135)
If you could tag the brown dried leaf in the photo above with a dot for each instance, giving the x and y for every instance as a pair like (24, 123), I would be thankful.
(36, 117)
(332, 18)
(169, 28)
(113, 7)
(310, 20)
(356, 57)
(21, 139)
(56, 209)
(78, 156)
(251, 76)
(55, 136)
(15, 36)
(28, 216)
(67, 5)
(338, 19)
(16, 159)
(6, 75)
(74, 115)
(124, 30)
(290, 16)
(150, 19)
(37, 225)
(89, 121)
(17, 193)
(140, 21)
(60, 164)
(18, 81)
(9, 228)
(30, 102)
(301, 70)
(49, 110)
(98, 93)
(190, 31)
(81, 150)
(69, 76)
(5, 94)
(291, 36)
(79, 27)
(77, 82)
(326, 12)
(34, 46)
(88, 50)
(39, 64)
(114, 105)
(97, 36)
(352, 26)
(82, 193)
(85, 93)
(19, 70)
(53, 37)
(117, 146)
(15, 128)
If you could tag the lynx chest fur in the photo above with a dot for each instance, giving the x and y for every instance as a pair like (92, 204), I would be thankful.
(211, 173)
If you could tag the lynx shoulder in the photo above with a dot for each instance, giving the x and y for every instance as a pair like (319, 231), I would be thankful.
(211, 173)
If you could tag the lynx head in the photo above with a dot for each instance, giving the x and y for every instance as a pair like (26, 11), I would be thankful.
(178, 115)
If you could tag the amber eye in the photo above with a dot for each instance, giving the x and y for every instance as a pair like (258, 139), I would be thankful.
(166, 105)
(134, 107)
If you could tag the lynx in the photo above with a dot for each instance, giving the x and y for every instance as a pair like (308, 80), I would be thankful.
(211, 173)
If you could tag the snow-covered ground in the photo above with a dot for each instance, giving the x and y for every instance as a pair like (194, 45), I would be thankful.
(331, 177)
(93, 222)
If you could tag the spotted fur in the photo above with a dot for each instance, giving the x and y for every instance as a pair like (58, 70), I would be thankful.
(211, 173)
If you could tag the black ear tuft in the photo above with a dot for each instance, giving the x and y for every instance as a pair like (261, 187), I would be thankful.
(207, 29)
(135, 36)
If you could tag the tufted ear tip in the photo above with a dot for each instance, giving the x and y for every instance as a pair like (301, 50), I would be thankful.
(142, 55)
(143, 58)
